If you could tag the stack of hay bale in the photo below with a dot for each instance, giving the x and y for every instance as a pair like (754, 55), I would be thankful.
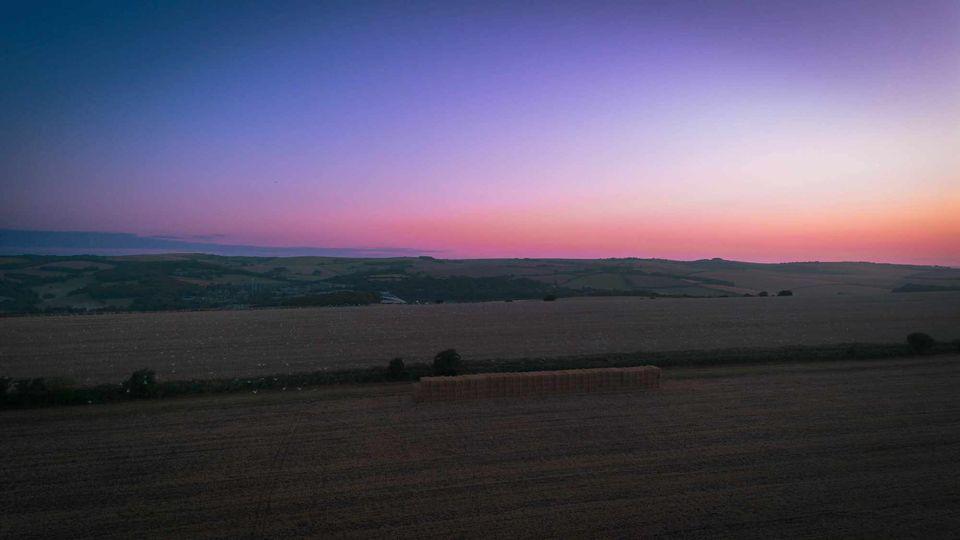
(536, 383)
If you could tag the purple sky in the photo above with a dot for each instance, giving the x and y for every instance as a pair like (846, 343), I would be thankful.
(758, 130)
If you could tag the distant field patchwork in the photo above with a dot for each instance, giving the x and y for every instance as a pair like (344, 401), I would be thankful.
(34, 284)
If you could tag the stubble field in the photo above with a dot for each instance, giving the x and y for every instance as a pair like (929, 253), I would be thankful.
(186, 345)
(865, 449)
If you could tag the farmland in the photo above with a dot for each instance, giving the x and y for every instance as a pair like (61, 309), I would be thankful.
(31, 284)
(183, 345)
(863, 449)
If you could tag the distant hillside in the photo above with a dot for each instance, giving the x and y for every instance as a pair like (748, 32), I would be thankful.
(50, 284)
(19, 242)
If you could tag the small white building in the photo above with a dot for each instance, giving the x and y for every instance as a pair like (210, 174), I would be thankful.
(390, 298)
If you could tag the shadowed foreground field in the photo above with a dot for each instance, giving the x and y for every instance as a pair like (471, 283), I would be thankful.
(846, 449)
(212, 344)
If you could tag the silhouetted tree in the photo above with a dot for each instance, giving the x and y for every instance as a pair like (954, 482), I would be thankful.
(920, 342)
(446, 362)
(142, 384)
(785, 292)
(396, 370)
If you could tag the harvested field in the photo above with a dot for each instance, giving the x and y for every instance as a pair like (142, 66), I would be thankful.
(107, 348)
(866, 449)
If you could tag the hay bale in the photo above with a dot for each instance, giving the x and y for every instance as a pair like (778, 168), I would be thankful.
(511, 385)
(493, 385)
(482, 388)
(539, 382)
(448, 388)
(503, 384)
(544, 382)
(552, 382)
(604, 380)
(423, 391)
(428, 389)
(526, 384)
(619, 379)
(644, 376)
(584, 381)
(467, 387)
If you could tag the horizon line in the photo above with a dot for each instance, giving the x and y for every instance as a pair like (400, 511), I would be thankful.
(179, 245)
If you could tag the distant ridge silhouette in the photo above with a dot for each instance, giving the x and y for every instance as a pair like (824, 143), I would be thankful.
(18, 241)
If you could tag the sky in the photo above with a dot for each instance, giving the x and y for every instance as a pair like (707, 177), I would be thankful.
(762, 131)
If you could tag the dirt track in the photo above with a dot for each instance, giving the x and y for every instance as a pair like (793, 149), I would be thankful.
(95, 349)
(864, 449)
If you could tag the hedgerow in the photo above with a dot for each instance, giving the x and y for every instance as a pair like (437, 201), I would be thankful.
(143, 384)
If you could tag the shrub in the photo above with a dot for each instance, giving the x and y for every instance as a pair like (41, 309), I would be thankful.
(446, 362)
(36, 391)
(785, 292)
(549, 298)
(35, 388)
(763, 293)
(396, 370)
(59, 389)
(142, 384)
(920, 342)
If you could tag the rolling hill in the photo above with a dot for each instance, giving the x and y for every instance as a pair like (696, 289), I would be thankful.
(49, 283)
